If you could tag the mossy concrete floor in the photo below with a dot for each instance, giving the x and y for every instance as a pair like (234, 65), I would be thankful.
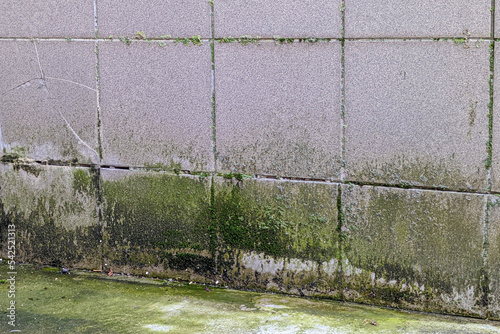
(85, 302)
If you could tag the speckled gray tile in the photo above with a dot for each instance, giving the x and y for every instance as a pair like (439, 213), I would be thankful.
(154, 17)
(428, 18)
(50, 118)
(278, 109)
(495, 163)
(416, 113)
(497, 22)
(317, 18)
(418, 248)
(47, 18)
(155, 105)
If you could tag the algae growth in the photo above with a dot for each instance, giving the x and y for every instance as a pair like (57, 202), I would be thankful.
(84, 302)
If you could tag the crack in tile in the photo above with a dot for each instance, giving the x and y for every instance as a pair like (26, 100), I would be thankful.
(43, 83)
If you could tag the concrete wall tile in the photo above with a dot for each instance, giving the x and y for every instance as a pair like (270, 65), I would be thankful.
(154, 17)
(418, 249)
(54, 210)
(416, 113)
(50, 18)
(157, 222)
(495, 148)
(278, 109)
(277, 235)
(51, 115)
(155, 105)
(428, 18)
(313, 18)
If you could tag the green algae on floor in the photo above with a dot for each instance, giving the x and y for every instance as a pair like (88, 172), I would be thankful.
(84, 302)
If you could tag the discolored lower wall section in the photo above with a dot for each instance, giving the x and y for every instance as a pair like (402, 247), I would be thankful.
(415, 249)
(157, 223)
(493, 253)
(277, 235)
(54, 212)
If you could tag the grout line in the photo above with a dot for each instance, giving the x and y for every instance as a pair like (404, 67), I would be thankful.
(484, 277)
(257, 38)
(212, 54)
(100, 215)
(340, 206)
(98, 83)
(255, 176)
(213, 234)
(97, 169)
(342, 92)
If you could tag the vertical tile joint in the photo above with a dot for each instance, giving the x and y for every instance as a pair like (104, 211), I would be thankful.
(484, 277)
(97, 168)
(342, 90)
(489, 145)
(213, 223)
(340, 206)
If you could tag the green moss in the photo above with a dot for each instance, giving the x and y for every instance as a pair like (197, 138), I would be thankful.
(247, 39)
(228, 39)
(32, 169)
(42, 240)
(82, 181)
(195, 40)
(140, 35)
(404, 241)
(237, 176)
(270, 218)
(150, 213)
(314, 40)
(172, 167)
(55, 222)
(125, 40)
(282, 40)
(52, 302)
(15, 154)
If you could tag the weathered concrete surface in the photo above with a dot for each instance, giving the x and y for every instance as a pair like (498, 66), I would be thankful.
(416, 113)
(279, 109)
(157, 222)
(415, 249)
(52, 302)
(428, 18)
(495, 163)
(309, 18)
(49, 18)
(54, 211)
(277, 235)
(493, 253)
(51, 115)
(146, 118)
(154, 17)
